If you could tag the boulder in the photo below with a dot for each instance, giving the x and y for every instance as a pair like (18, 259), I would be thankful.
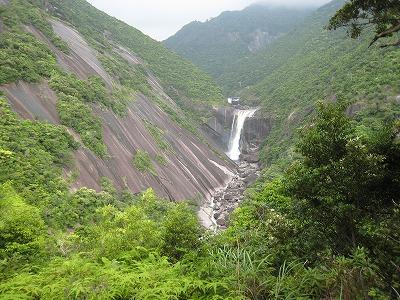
(250, 179)
(223, 220)
(229, 196)
(252, 157)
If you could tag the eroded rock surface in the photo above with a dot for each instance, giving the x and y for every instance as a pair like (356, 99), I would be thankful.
(32, 101)
(216, 212)
(192, 171)
(80, 50)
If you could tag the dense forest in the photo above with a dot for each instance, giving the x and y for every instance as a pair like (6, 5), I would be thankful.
(321, 223)
(327, 228)
(217, 44)
(310, 64)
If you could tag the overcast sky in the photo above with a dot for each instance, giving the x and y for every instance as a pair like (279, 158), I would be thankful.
(162, 18)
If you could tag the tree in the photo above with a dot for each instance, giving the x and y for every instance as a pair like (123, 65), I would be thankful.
(181, 232)
(344, 180)
(358, 15)
(21, 227)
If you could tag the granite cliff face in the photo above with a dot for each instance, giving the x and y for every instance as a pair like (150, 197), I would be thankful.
(239, 132)
(193, 166)
(192, 169)
(255, 130)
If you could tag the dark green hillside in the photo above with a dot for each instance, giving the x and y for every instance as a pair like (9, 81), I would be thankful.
(24, 57)
(326, 228)
(216, 44)
(181, 77)
(311, 64)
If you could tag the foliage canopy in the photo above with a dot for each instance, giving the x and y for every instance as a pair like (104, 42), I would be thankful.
(356, 15)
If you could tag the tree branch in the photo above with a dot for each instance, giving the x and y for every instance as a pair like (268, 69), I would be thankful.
(385, 33)
(391, 45)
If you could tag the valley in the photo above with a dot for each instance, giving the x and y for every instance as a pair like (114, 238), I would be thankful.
(125, 173)
(214, 213)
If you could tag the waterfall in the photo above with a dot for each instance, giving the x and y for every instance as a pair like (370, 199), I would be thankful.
(236, 132)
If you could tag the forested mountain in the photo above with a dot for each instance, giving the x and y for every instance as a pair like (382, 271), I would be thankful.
(218, 43)
(310, 64)
(103, 163)
(117, 91)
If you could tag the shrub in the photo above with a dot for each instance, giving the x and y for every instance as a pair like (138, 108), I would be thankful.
(142, 162)
(77, 115)
(181, 232)
(23, 57)
(21, 226)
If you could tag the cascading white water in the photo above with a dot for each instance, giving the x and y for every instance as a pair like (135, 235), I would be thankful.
(236, 132)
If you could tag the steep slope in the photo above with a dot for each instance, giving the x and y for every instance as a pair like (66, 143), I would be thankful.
(310, 64)
(218, 43)
(181, 79)
(106, 87)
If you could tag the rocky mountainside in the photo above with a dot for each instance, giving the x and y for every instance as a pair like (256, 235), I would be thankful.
(130, 104)
(218, 43)
(310, 64)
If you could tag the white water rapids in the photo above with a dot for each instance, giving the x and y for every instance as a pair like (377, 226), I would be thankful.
(236, 132)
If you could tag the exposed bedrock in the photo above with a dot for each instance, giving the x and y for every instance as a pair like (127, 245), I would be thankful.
(193, 170)
(218, 127)
(255, 130)
(223, 128)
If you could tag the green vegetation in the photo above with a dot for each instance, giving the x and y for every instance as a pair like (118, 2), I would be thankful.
(331, 214)
(142, 162)
(174, 72)
(128, 75)
(77, 115)
(92, 90)
(73, 96)
(158, 135)
(358, 15)
(119, 255)
(131, 79)
(19, 12)
(182, 118)
(192, 90)
(326, 229)
(23, 57)
(21, 225)
(161, 160)
(310, 64)
(218, 43)
(31, 153)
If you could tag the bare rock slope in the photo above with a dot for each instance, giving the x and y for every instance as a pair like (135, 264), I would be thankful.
(191, 170)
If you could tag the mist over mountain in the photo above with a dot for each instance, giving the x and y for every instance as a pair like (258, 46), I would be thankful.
(126, 174)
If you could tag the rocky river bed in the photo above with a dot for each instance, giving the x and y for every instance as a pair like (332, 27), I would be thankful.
(215, 213)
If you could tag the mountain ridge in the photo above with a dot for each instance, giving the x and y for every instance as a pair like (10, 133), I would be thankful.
(110, 100)
(233, 34)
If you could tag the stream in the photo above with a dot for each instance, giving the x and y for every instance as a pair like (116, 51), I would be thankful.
(214, 213)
